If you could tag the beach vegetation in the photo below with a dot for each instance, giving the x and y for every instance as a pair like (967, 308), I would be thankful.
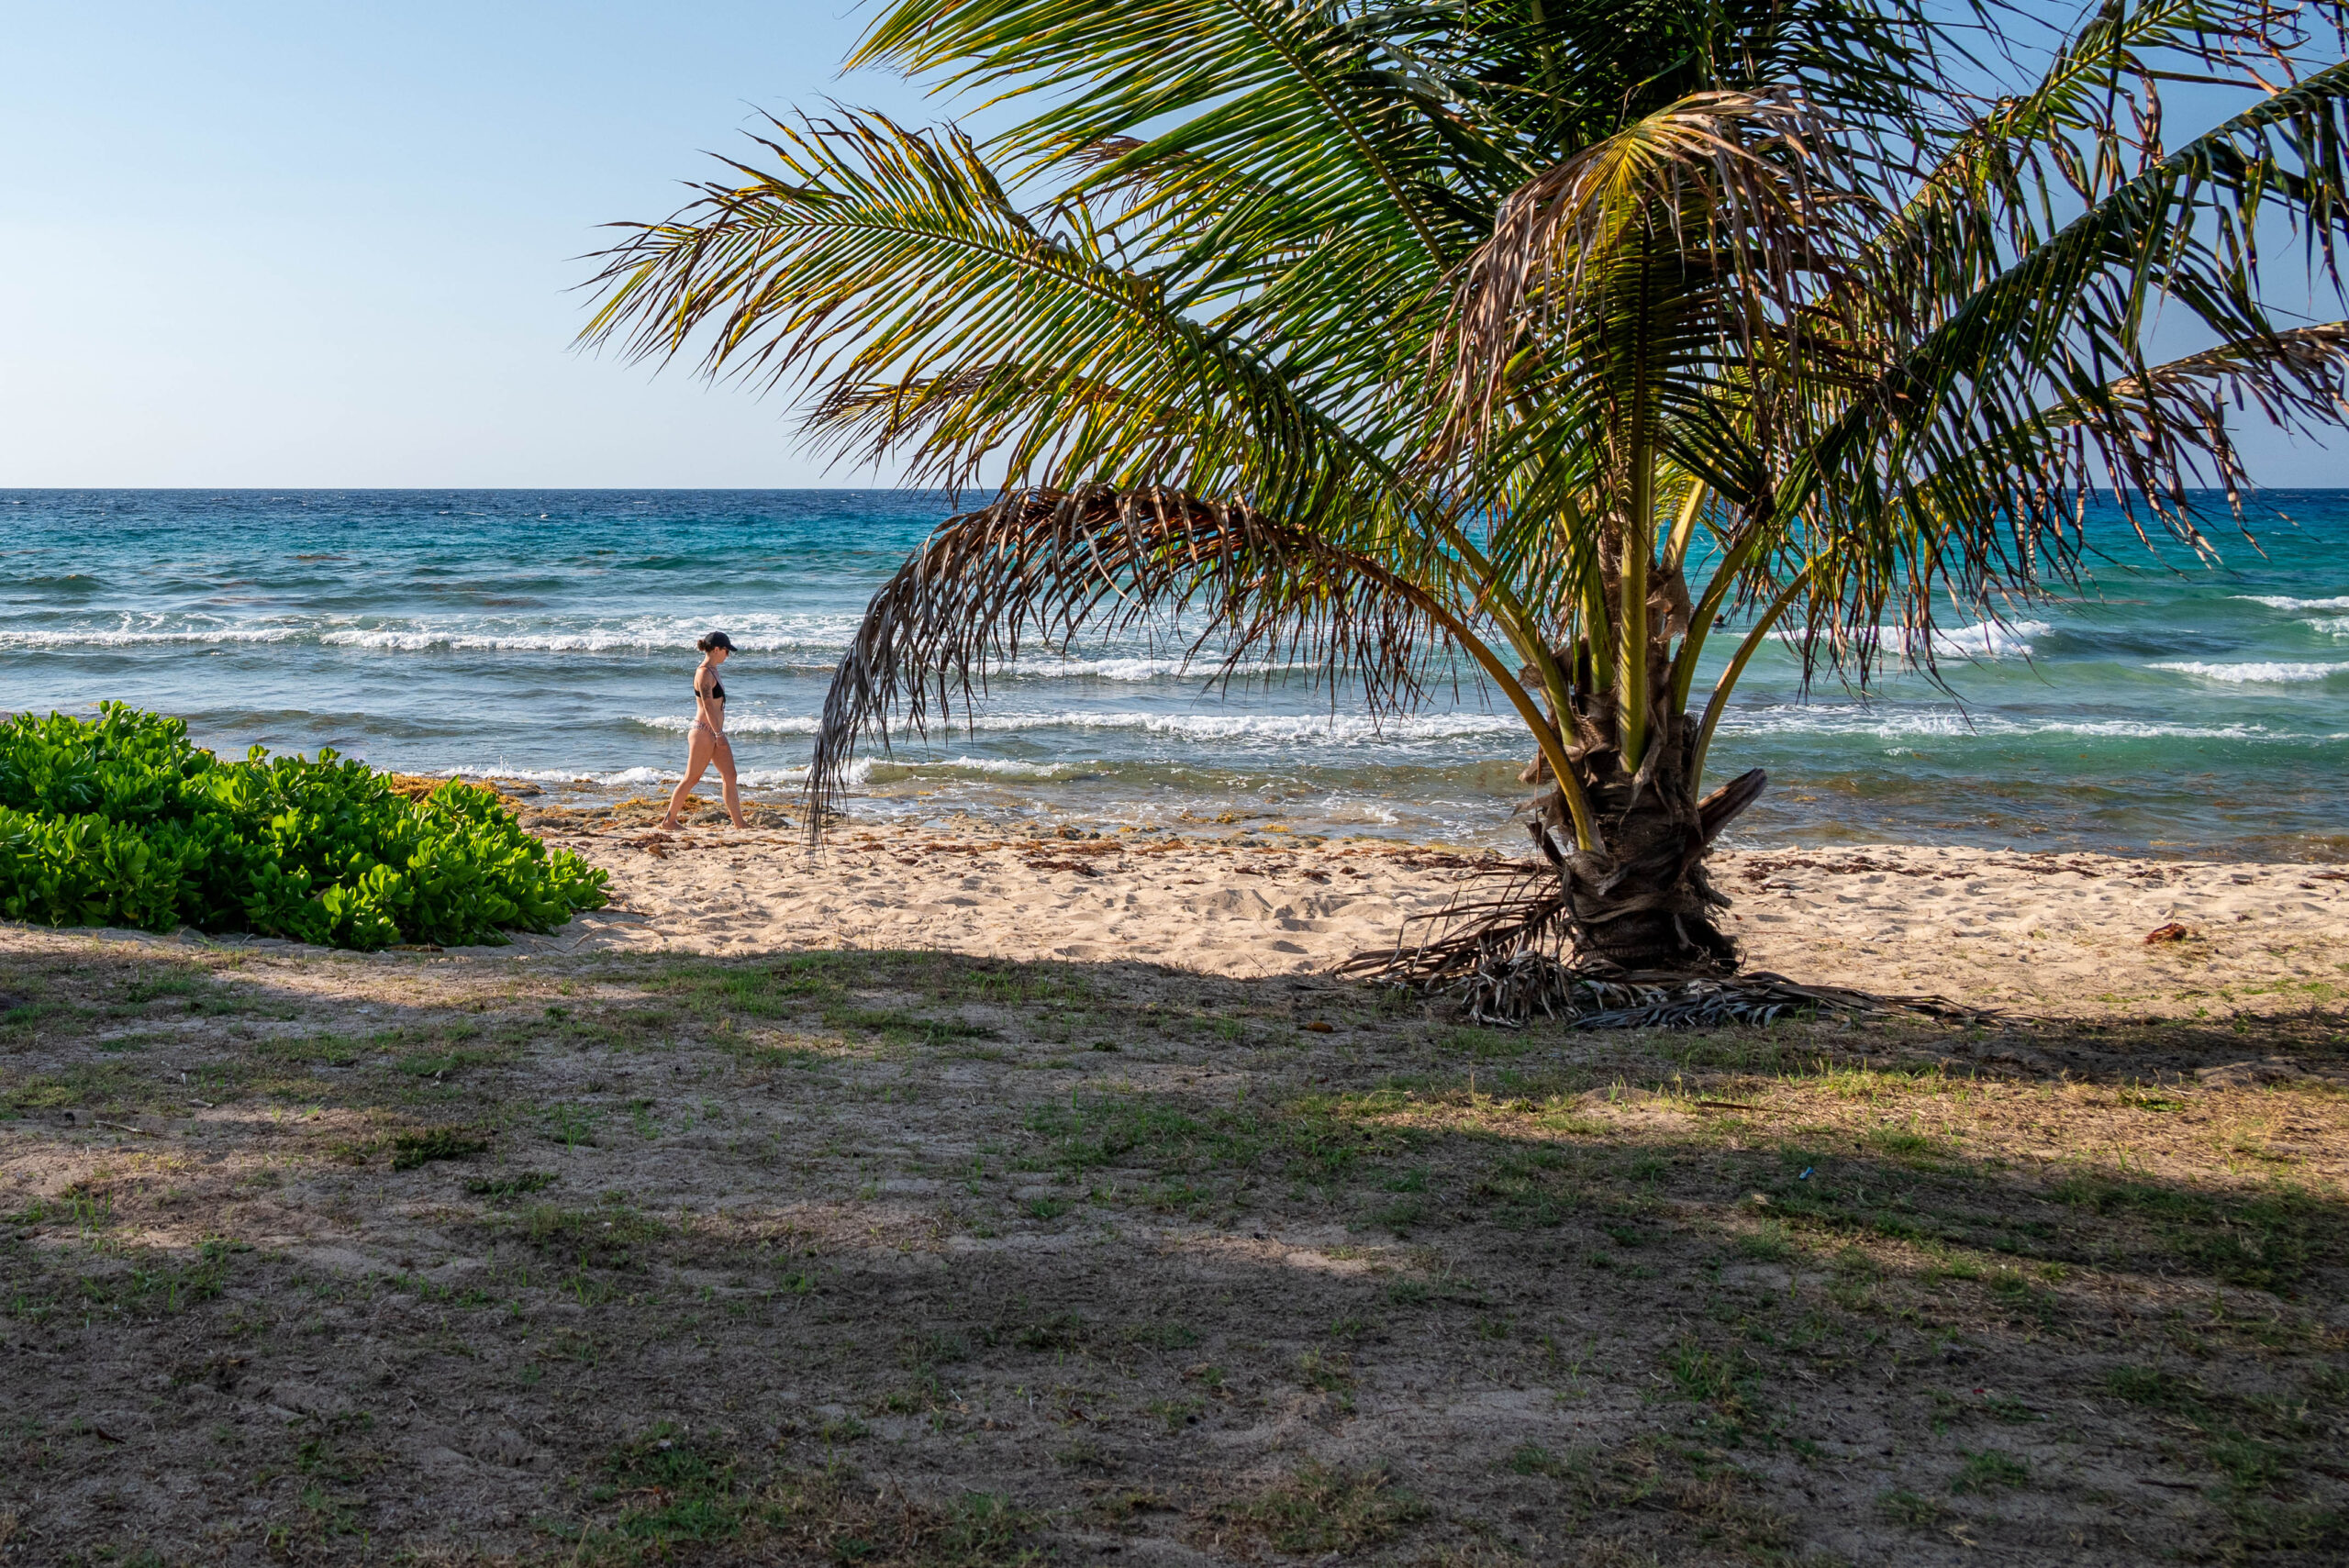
(120, 820)
(1578, 351)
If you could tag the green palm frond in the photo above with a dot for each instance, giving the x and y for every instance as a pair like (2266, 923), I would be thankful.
(1315, 95)
(1037, 568)
(2067, 324)
(891, 267)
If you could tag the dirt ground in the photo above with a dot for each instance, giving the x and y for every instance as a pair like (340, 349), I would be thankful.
(890, 1257)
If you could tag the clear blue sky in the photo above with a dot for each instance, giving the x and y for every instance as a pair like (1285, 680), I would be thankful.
(335, 244)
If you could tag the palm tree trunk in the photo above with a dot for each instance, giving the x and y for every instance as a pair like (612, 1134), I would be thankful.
(1643, 900)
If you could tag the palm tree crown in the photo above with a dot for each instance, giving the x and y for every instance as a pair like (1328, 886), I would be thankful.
(1557, 336)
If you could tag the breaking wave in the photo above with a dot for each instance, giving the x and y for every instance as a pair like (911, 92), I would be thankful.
(1797, 720)
(2264, 673)
(2280, 602)
(1984, 640)
(1327, 729)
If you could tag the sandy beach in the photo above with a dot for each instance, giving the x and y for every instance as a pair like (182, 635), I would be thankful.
(2055, 935)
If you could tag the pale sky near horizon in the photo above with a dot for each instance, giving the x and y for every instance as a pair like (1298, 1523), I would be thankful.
(290, 245)
(281, 245)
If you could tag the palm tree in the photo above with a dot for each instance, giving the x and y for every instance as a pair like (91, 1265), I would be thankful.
(1566, 338)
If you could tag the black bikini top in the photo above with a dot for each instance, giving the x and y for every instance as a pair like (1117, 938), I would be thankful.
(717, 690)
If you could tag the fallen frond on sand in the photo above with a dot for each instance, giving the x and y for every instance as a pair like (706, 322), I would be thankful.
(1513, 957)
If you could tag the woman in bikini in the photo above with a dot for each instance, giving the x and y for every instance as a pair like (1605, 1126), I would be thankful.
(705, 743)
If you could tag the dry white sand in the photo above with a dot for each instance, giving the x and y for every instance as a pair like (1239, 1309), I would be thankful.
(2056, 934)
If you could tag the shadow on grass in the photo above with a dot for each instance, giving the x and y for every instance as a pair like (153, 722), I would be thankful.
(1071, 1236)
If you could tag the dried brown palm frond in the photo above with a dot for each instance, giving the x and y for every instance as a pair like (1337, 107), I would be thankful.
(1588, 1001)
(1724, 221)
(1510, 957)
(1038, 567)
(1550, 915)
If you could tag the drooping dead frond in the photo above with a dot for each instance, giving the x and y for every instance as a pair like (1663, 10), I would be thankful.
(1038, 567)
(1510, 957)
(1518, 951)
(2297, 376)
(1481, 931)
(1681, 1001)
(1739, 189)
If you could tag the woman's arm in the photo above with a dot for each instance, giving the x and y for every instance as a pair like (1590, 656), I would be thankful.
(706, 707)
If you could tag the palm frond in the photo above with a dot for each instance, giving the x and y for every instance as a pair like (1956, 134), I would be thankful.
(891, 268)
(1725, 205)
(1316, 93)
(1968, 409)
(1036, 568)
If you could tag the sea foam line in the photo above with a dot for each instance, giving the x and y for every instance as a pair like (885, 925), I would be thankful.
(2264, 672)
(1795, 720)
(97, 637)
(825, 635)
(1984, 640)
(2281, 602)
(1340, 729)
(820, 639)
(640, 778)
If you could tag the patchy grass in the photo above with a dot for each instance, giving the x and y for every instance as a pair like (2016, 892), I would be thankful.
(1989, 1470)
(1726, 1297)
(1323, 1508)
(669, 1494)
(410, 1149)
(521, 1183)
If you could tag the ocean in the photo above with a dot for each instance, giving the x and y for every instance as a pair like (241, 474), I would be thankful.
(548, 636)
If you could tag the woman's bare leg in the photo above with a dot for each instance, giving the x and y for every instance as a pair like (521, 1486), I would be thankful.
(725, 759)
(697, 753)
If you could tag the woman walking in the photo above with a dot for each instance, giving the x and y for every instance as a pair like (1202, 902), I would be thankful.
(705, 743)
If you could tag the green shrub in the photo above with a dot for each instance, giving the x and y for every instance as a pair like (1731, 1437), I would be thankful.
(123, 822)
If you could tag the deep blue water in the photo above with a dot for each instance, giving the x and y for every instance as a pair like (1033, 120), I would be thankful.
(548, 635)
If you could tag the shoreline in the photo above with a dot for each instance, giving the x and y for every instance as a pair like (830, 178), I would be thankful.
(911, 810)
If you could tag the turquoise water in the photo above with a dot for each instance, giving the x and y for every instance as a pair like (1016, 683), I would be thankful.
(548, 635)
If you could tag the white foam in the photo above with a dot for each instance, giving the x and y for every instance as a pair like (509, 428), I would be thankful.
(1792, 718)
(736, 724)
(2336, 625)
(1337, 729)
(826, 634)
(2264, 673)
(125, 637)
(643, 778)
(1141, 669)
(1010, 767)
(821, 635)
(2280, 602)
(1984, 640)
(1340, 729)
(2154, 729)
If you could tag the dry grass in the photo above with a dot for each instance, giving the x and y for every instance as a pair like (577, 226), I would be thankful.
(911, 1258)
